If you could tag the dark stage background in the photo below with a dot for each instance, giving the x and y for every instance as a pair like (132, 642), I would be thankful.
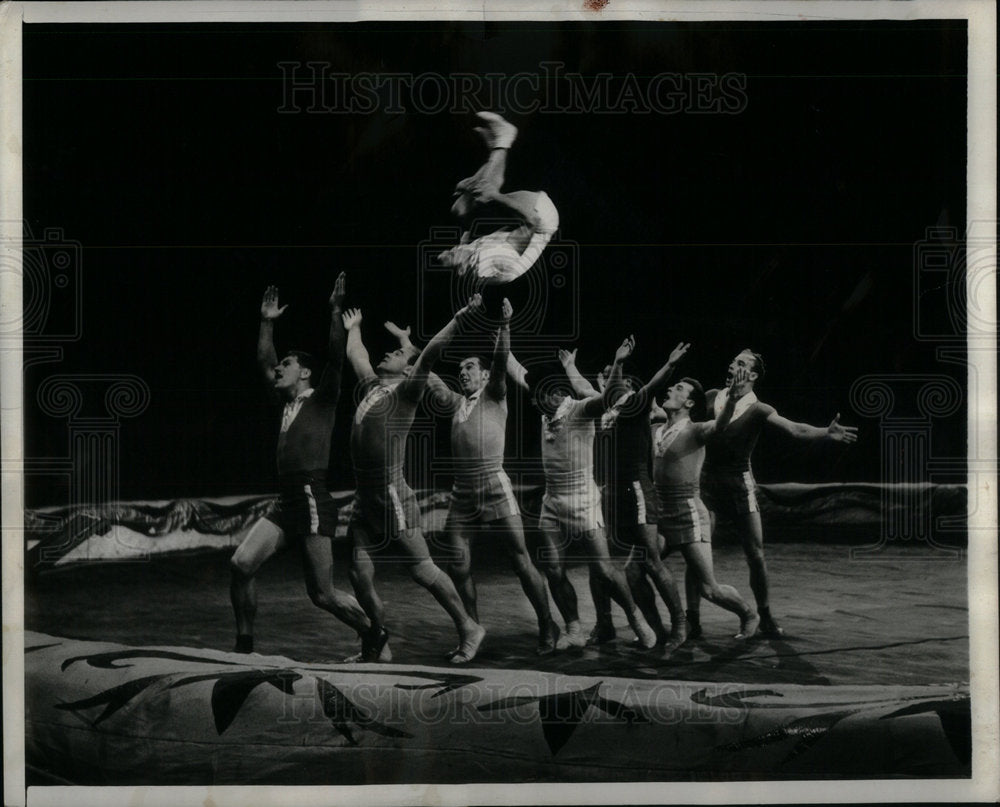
(790, 227)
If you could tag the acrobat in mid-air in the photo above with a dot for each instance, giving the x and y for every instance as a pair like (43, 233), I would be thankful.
(508, 252)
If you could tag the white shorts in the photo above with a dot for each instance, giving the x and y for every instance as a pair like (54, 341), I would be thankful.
(572, 512)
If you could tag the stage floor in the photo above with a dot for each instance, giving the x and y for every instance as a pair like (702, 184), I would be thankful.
(899, 620)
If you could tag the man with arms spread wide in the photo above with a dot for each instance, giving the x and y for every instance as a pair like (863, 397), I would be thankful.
(727, 478)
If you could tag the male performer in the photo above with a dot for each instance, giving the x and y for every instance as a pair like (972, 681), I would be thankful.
(571, 506)
(509, 252)
(386, 515)
(305, 513)
(624, 510)
(482, 493)
(678, 454)
(727, 478)
(632, 501)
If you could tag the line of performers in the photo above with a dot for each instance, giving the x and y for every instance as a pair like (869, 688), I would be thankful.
(700, 444)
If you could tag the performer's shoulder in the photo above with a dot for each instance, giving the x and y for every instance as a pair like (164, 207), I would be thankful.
(367, 384)
(762, 409)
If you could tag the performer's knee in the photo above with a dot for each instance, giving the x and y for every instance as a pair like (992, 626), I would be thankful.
(425, 573)
(603, 569)
(460, 566)
(634, 570)
(240, 567)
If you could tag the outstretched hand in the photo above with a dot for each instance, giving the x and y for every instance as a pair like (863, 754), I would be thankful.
(400, 333)
(506, 311)
(678, 352)
(625, 349)
(842, 434)
(339, 290)
(474, 304)
(269, 308)
(352, 318)
(567, 358)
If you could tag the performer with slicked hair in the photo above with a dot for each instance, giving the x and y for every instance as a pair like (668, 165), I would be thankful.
(482, 497)
(305, 514)
(728, 484)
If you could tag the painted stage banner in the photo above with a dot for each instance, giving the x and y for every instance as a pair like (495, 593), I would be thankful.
(128, 530)
(102, 713)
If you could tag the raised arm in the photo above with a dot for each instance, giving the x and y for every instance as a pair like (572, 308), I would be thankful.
(615, 388)
(357, 355)
(582, 388)
(663, 374)
(803, 431)
(445, 400)
(415, 382)
(329, 383)
(496, 387)
(267, 356)
(517, 372)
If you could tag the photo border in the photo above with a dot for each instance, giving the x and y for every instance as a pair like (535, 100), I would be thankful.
(982, 552)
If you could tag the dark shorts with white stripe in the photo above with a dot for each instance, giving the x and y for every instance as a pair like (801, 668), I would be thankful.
(684, 519)
(631, 503)
(305, 506)
(729, 493)
(384, 510)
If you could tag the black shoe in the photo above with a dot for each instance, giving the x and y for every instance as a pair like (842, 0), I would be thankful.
(244, 644)
(769, 628)
(601, 634)
(372, 644)
(694, 630)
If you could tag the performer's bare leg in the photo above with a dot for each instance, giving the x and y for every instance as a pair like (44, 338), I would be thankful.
(596, 546)
(511, 531)
(698, 557)
(362, 576)
(692, 589)
(660, 575)
(752, 537)
(261, 543)
(692, 593)
(491, 173)
(563, 593)
(604, 629)
(317, 561)
(642, 593)
(425, 573)
(459, 568)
